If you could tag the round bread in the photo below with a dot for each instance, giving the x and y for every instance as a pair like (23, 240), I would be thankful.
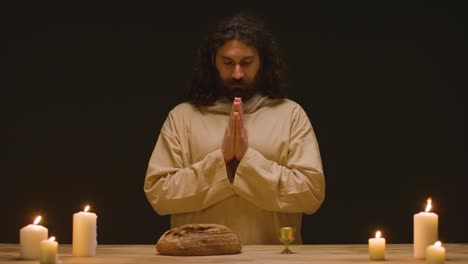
(199, 240)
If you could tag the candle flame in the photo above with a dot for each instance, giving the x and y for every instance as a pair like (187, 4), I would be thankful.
(86, 208)
(438, 244)
(378, 234)
(429, 205)
(38, 219)
(52, 239)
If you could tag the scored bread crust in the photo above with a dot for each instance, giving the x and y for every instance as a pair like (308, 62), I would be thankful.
(199, 240)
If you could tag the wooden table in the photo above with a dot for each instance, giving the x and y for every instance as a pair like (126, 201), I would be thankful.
(117, 254)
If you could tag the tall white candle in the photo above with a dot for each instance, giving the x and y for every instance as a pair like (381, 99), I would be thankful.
(435, 254)
(84, 234)
(30, 238)
(377, 247)
(48, 251)
(425, 230)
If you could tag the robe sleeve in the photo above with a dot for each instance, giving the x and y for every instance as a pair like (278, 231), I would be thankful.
(172, 188)
(294, 187)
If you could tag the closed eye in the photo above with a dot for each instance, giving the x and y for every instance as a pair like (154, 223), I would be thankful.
(227, 61)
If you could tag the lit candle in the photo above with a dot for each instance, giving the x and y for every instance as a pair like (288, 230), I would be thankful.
(425, 230)
(49, 251)
(377, 247)
(30, 238)
(84, 234)
(435, 254)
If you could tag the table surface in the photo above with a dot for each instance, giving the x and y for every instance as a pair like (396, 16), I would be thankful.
(117, 254)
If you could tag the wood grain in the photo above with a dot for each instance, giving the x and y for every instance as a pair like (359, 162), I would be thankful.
(333, 254)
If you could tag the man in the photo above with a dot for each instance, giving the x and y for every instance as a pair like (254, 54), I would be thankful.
(237, 153)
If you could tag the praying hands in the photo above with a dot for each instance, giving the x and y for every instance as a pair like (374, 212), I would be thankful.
(235, 142)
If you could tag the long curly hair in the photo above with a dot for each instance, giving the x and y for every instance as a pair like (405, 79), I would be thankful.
(251, 30)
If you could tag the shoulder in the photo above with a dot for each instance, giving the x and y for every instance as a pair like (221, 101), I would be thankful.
(292, 104)
(295, 110)
(178, 118)
(289, 106)
(183, 107)
(183, 110)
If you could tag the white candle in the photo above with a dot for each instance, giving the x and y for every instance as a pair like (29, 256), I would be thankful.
(49, 251)
(435, 254)
(84, 234)
(30, 238)
(377, 247)
(425, 230)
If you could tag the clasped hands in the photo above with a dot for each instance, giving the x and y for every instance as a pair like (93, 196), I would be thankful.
(235, 142)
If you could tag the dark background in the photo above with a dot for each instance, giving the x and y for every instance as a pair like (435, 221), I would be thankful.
(87, 91)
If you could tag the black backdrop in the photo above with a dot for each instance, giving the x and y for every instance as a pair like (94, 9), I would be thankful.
(87, 91)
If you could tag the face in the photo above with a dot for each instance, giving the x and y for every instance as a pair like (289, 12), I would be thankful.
(237, 64)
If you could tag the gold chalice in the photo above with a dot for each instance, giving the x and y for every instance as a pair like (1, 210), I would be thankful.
(286, 236)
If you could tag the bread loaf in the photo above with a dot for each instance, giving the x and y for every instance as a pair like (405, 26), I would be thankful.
(199, 240)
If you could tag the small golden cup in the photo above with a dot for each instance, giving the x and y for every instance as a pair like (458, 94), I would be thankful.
(286, 236)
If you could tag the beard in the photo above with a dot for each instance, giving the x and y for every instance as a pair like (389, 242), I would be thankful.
(231, 88)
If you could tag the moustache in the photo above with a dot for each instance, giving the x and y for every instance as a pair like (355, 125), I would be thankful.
(233, 82)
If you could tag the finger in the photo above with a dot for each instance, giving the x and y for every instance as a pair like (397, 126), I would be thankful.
(239, 123)
(236, 106)
(240, 108)
(240, 141)
(233, 108)
(232, 124)
(240, 130)
(237, 127)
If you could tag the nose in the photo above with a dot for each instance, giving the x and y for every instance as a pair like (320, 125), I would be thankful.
(238, 73)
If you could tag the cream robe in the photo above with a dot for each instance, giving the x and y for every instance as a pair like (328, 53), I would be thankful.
(279, 178)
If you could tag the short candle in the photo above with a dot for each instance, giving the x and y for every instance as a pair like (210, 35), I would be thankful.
(435, 254)
(377, 247)
(30, 238)
(84, 240)
(48, 251)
